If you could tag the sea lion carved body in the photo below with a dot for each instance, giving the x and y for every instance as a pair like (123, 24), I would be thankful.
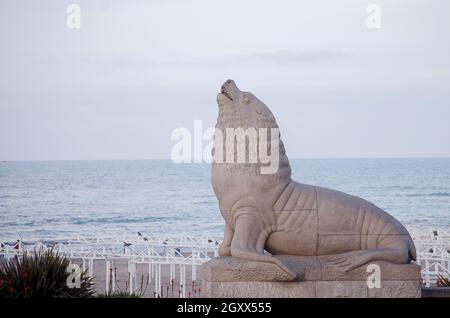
(276, 214)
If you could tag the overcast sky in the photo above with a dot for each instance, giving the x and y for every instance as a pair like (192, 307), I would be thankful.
(117, 87)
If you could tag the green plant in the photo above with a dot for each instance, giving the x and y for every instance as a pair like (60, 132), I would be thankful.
(124, 293)
(443, 281)
(43, 274)
(118, 294)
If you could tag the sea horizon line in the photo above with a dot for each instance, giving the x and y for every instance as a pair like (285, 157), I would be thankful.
(168, 159)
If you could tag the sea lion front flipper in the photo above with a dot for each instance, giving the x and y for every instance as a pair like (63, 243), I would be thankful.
(248, 243)
(225, 247)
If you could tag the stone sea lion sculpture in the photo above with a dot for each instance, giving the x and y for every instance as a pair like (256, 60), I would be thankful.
(275, 214)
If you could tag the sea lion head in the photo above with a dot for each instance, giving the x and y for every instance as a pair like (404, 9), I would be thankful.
(238, 109)
(243, 111)
(232, 179)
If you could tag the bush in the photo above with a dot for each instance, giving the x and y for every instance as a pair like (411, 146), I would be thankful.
(41, 275)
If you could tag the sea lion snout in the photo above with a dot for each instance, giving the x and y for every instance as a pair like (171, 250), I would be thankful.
(230, 90)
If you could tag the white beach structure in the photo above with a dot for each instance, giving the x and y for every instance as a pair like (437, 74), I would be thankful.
(174, 254)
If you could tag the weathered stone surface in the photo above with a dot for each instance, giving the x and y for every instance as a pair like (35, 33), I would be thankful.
(313, 268)
(309, 266)
(227, 269)
(304, 289)
(231, 277)
(397, 289)
(388, 271)
(258, 289)
(310, 289)
(341, 289)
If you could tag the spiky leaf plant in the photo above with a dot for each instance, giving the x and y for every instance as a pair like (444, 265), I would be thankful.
(443, 281)
(42, 274)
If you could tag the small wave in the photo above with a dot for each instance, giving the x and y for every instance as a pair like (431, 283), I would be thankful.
(122, 220)
(20, 224)
(434, 194)
(439, 194)
(396, 187)
(412, 195)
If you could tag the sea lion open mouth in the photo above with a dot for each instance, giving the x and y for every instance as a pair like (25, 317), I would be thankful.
(230, 90)
(226, 93)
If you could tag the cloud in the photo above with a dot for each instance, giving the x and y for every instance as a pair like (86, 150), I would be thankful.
(279, 57)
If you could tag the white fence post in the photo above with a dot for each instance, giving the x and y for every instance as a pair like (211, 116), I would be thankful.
(107, 278)
(91, 267)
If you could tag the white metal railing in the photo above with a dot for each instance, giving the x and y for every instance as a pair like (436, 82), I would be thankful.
(432, 245)
(153, 251)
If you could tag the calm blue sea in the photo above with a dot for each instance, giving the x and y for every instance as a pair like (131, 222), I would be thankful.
(44, 200)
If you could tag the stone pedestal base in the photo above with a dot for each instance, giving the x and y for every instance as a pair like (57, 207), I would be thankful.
(227, 277)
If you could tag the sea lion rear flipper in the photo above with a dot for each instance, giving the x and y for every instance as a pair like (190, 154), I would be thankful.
(248, 243)
(354, 259)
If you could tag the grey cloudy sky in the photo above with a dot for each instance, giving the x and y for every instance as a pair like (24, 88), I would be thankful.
(136, 70)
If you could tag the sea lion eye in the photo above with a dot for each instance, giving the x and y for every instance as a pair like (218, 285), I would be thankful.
(246, 99)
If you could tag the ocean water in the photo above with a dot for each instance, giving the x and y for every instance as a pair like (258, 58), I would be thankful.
(61, 199)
